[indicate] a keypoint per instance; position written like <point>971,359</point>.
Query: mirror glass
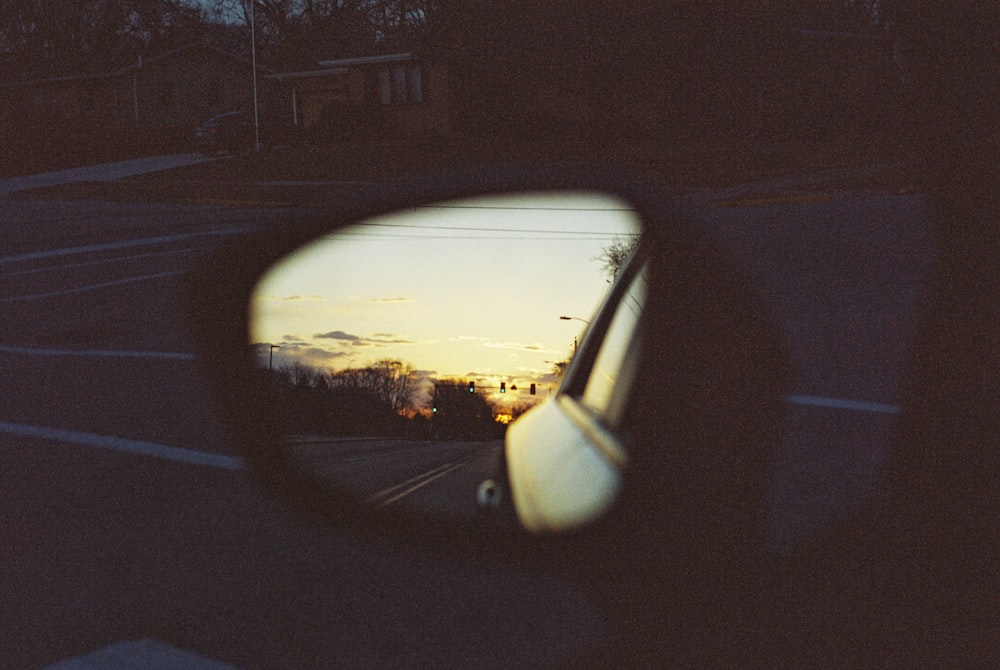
<point>398,350</point>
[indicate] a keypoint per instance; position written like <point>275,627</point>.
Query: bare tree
<point>298,33</point>
<point>391,381</point>
<point>305,376</point>
<point>614,255</point>
<point>40,38</point>
<point>395,383</point>
<point>559,367</point>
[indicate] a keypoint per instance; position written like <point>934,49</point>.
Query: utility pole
<point>574,318</point>
<point>135,89</point>
<point>253,58</point>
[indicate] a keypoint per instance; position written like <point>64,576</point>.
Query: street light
<point>574,318</point>
<point>270,355</point>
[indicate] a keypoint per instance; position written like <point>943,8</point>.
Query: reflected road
<point>428,475</point>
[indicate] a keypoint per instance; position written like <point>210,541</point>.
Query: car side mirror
<point>451,363</point>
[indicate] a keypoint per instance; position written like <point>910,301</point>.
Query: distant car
<point>230,131</point>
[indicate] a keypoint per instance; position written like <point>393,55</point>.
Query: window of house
<point>415,84</point>
<point>400,85</point>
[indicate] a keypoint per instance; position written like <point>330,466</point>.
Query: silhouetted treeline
<point>392,382</point>
<point>85,81</point>
<point>380,400</point>
<point>461,414</point>
<point>679,72</point>
<point>683,74</point>
<point>296,34</point>
<point>43,38</point>
<point>356,402</point>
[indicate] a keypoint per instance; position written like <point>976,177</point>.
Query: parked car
<point>230,131</point>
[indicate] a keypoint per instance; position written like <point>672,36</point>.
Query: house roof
<point>328,72</point>
<point>368,60</point>
<point>187,47</point>
<point>340,66</point>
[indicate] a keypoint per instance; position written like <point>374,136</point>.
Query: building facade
<point>395,95</point>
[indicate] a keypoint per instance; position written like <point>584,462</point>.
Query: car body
<point>566,459</point>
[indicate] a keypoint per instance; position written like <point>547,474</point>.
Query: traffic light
<point>503,387</point>
<point>472,387</point>
<point>532,389</point>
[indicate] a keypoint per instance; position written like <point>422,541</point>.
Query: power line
<point>407,238</point>
<point>498,233</point>
<point>532,209</point>
<point>499,230</point>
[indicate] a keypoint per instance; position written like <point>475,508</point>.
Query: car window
<point>610,378</point>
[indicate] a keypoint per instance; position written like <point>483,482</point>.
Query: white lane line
<point>111,246</point>
<point>386,497</point>
<point>419,485</point>
<point>96,353</point>
<point>840,403</point>
<point>91,287</point>
<point>189,456</point>
<point>395,487</point>
<point>104,261</point>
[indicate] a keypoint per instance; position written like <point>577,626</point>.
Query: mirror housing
<point>218,295</point>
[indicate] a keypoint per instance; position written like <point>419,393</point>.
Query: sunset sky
<point>468,290</point>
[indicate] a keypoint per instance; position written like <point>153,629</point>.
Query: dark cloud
<point>376,340</point>
<point>337,335</point>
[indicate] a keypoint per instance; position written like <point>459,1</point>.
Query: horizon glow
<point>469,290</point>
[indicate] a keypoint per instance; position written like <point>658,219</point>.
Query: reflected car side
<point>566,458</point>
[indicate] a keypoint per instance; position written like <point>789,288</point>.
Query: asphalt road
<point>423,476</point>
<point>842,276</point>
<point>116,526</point>
<point>112,533</point>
